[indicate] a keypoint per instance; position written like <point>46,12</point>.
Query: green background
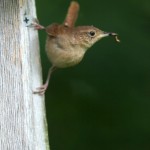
<point>104,102</point>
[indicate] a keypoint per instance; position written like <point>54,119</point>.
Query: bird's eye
<point>92,33</point>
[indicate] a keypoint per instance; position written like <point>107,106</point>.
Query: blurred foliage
<point>104,102</point>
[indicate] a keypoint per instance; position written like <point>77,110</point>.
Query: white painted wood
<point>22,114</point>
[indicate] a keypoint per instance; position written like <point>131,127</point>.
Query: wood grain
<point>22,114</point>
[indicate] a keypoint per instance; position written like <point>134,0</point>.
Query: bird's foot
<point>35,24</point>
<point>41,90</point>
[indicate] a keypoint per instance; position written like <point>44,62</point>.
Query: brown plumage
<point>66,44</point>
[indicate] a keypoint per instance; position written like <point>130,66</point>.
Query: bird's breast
<point>62,53</point>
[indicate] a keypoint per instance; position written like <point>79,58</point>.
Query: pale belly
<point>62,57</point>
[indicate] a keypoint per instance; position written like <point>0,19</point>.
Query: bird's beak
<point>109,34</point>
<point>105,34</point>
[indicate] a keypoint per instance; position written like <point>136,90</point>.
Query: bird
<point>66,44</point>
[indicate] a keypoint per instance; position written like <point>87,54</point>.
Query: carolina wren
<point>66,44</point>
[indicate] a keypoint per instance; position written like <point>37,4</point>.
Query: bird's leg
<point>35,24</point>
<point>41,90</point>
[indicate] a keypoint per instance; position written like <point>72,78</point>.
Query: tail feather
<point>72,14</point>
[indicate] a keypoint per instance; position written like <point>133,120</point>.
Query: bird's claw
<point>35,24</point>
<point>40,90</point>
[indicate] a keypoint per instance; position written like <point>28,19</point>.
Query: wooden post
<point>23,123</point>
